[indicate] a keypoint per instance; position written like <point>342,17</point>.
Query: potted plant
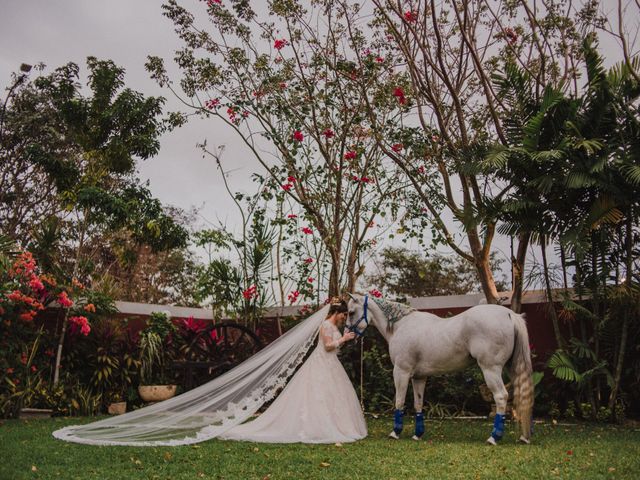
<point>156,382</point>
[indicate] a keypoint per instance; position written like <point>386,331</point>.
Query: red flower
<point>36,285</point>
<point>231,113</point>
<point>193,325</point>
<point>298,136</point>
<point>34,368</point>
<point>421,169</point>
<point>90,307</point>
<point>81,322</point>
<point>282,85</point>
<point>250,292</point>
<point>397,147</point>
<point>310,280</point>
<point>569,452</point>
<point>291,179</point>
<point>350,155</point>
<point>379,59</point>
<point>308,260</point>
<point>375,293</point>
<point>280,44</point>
<point>292,215</point>
<point>410,16</point>
<point>287,186</point>
<point>9,371</point>
<point>328,133</point>
<point>398,92</point>
<point>212,3</point>
<point>64,300</point>
<point>511,35</point>
<point>293,296</point>
<point>28,316</point>
<point>307,231</point>
<point>212,104</point>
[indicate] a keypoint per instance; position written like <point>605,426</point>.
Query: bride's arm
<point>326,335</point>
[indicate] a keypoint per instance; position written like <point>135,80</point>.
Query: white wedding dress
<point>318,405</point>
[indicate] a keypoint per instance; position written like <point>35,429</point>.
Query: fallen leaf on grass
<point>338,444</point>
<point>325,464</point>
<point>34,468</point>
<point>168,456</point>
<point>256,449</point>
<point>611,469</point>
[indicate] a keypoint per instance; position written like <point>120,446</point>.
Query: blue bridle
<point>354,328</point>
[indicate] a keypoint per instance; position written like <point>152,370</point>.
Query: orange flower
<point>90,307</point>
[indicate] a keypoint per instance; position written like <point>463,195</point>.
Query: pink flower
<point>379,59</point>
<point>212,104</point>
<point>366,180</point>
<point>34,368</point>
<point>298,136</point>
<point>282,85</point>
<point>211,3</point>
<point>85,329</point>
<point>350,155</point>
<point>231,113</point>
<point>328,133</point>
<point>308,260</point>
<point>375,293</point>
<point>287,186</point>
<point>280,44</point>
<point>421,169</point>
<point>310,280</point>
<point>397,147</point>
<point>64,300</point>
<point>81,322</point>
<point>511,35</point>
<point>435,138</point>
<point>307,231</point>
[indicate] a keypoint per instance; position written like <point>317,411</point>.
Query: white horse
<point>422,344</point>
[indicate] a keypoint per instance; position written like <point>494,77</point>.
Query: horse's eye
<point>351,312</point>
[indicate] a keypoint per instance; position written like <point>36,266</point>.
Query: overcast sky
<point>126,31</point>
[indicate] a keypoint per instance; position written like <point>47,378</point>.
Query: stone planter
<point>30,413</point>
<point>156,393</point>
<point>117,408</point>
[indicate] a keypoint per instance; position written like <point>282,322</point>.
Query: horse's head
<point>358,318</point>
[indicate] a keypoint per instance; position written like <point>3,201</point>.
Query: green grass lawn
<point>451,449</point>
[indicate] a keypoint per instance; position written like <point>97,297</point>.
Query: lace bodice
<point>330,336</point>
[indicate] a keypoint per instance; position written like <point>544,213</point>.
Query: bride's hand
<point>348,336</point>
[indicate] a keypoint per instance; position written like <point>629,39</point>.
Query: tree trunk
<point>547,281</point>
<point>518,263</point>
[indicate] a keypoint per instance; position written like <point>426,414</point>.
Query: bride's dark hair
<point>337,305</point>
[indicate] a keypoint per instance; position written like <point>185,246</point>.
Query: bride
<point>318,405</point>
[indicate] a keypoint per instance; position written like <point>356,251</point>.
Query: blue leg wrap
<point>498,427</point>
<point>419,424</point>
<point>397,421</point>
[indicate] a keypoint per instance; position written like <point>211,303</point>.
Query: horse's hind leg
<point>493,378</point>
<point>418,401</point>
<point>401,381</point>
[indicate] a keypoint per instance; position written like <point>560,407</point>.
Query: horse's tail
<point>521,375</point>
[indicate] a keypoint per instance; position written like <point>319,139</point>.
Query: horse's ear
<point>355,299</point>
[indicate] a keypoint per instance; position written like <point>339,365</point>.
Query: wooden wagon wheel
<point>216,350</point>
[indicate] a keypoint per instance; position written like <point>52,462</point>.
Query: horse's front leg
<point>418,401</point>
<point>401,381</point>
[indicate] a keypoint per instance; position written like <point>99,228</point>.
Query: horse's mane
<point>394,311</point>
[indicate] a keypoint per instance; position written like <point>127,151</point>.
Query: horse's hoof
<point>415,437</point>
<point>394,435</point>
<point>491,441</point>
<point>524,440</point>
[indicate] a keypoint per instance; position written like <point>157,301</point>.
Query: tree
<point>404,273</point>
<point>76,156</point>
<point>444,53</point>
<point>292,93</point>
